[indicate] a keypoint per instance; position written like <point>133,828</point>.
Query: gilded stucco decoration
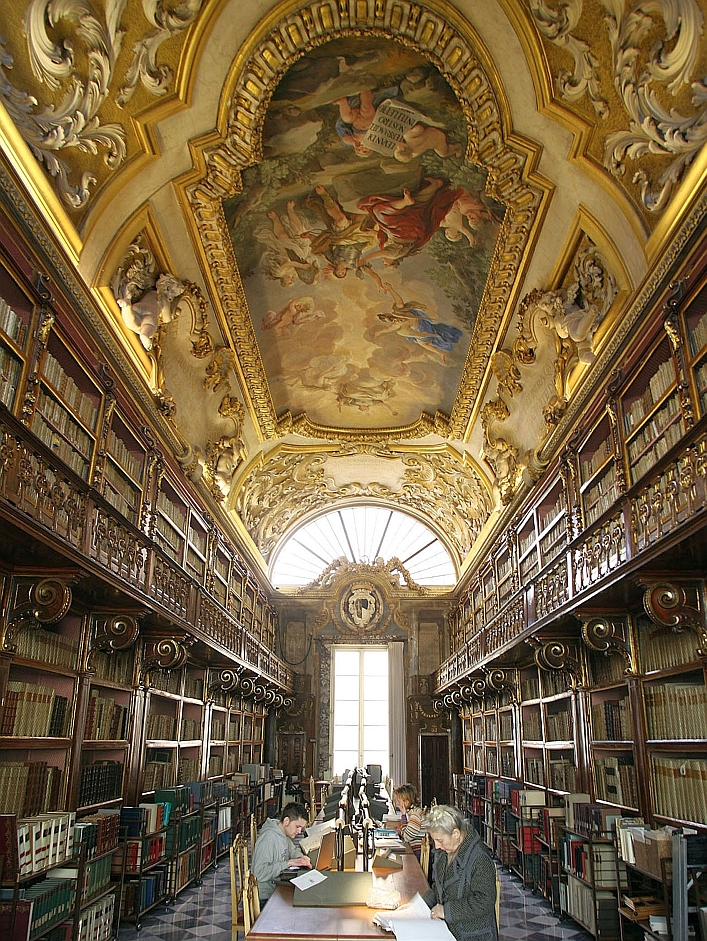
<point>568,318</point>
<point>446,488</point>
<point>74,49</point>
<point>392,573</point>
<point>658,103</point>
<point>298,241</point>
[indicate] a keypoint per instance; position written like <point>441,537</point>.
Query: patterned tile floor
<point>205,912</point>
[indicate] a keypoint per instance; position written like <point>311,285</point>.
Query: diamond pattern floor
<point>205,912</point>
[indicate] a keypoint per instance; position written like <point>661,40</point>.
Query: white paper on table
<point>422,929</point>
<point>416,908</point>
<point>308,879</point>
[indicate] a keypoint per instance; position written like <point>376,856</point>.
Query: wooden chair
<point>498,901</point>
<point>425,855</point>
<point>312,799</point>
<point>251,903</point>
<point>240,870</point>
<point>253,832</point>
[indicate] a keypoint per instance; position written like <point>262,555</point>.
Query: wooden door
<point>290,753</point>
<point>435,779</point>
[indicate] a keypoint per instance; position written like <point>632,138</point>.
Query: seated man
<point>274,849</point>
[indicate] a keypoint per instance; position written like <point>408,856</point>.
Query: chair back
<point>253,832</point>
<point>251,903</point>
<point>312,799</point>
<point>240,869</point>
<point>425,855</point>
<point>498,901</point>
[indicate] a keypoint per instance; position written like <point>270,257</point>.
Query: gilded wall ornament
<point>361,608</point>
<point>442,485</point>
<point>653,55</point>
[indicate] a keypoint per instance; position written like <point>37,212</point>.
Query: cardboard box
<point>651,851</point>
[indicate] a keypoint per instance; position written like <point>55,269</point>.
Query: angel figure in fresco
<point>465,216</point>
<point>410,320</point>
<point>288,253</point>
<point>299,310</point>
<point>356,113</point>
<point>423,137</point>
<point>405,224</point>
<point>345,237</point>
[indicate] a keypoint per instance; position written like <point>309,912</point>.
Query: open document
<point>413,922</point>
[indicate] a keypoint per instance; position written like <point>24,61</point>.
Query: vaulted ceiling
<point>360,250</point>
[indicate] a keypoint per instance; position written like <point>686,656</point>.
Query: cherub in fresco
<point>299,310</point>
<point>288,254</point>
<point>345,237</point>
<point>405,224</point>
<point>423,137</point>
<point>361,393</point>
<point>467,208</point>
<point>356,113</point>
<point>411,321</point>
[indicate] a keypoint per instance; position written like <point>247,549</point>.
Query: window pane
<point>375,662</point>
<point>344,760</point>
<point>346,688</point>
<point>375,713</point>
<point>347,662</point>
<point>344,735</point>
<point>375,687</point>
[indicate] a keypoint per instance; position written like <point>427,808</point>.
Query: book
<point>413,922</point>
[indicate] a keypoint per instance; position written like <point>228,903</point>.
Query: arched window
<point>362,533</point>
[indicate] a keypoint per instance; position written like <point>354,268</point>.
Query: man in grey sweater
<point>275,850</point>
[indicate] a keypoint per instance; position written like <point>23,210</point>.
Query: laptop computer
<point>326,851</point>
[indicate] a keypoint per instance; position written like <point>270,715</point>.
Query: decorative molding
<point>37,602</point>
<point>444,487</point>
<point>500,680</point>
<point>666,604</point>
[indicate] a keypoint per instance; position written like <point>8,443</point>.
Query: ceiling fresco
<point>363,239</point>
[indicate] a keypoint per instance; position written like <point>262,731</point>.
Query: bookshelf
<point>16,319</point>
<point>652,420</point>
<point>124,469</point>
<point>171,514</point>
<point>141,861</point>
<point>67,407</point>
<point>695,322</point>
<point>591,882</point>
<point>598,484</point>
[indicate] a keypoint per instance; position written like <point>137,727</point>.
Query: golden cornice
<point>437,424</point>
<point>37,187</point>
<point>454,48</point>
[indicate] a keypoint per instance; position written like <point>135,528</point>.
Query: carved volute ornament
<point>36,603</point>
<point>607,636</point>
<point>112,632</point>
<point>500,681</point>
<point>666,604</point>
<point>554,656</point>
<point>167,653</point>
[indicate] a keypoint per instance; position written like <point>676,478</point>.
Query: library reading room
<point>353,470</point>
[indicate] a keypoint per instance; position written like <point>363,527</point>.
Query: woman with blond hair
<point>407,802</point>
<point>464,889</point>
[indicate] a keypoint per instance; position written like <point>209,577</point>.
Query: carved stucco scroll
<point>81,67</point>
<point>653,54</point>
<point>285,488</point>
<point>555,656</point>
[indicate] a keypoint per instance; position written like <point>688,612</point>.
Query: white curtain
<point>396,709</point>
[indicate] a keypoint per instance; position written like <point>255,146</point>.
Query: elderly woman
<point>464,888</point>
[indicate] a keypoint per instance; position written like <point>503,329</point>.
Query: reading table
<point>280,920</point>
